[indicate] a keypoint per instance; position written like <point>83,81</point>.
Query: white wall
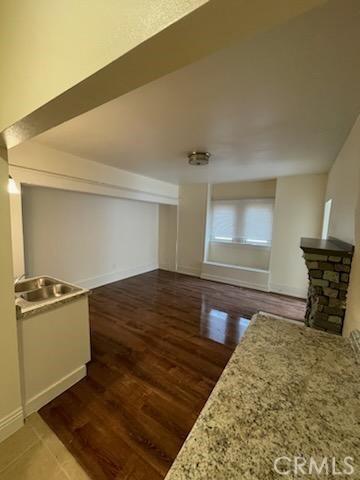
<point>343,187</point>
<point>17,236</point>
<point>298,213</point>
<point>344,190</point>
<point>193,199</point>
<point>10,400</point>
<point>35,164</point>
<point>88,239</point>
<point>299,207</point>
<point>233,275</point>
<point>249,189</point>
<point>168,237</point>
<point>242,255</point>
<point>352,318</point>
<point>192,219</point>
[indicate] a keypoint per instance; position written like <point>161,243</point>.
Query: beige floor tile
<point>36,453</point>
<point>61,475</point>
<point>35,464</point>
<point>57,449</point>
<point>16,445</point>
<point>38,424</point>
<point>48,437</point>
<point>74,470</point>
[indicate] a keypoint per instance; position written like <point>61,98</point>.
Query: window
<point>326,221</point>
<point>247,221</point>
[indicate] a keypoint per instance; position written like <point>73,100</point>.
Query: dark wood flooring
<point>159,344</point>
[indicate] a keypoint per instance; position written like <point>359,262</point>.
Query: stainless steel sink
<point>34,294</point>
<point>48,292</point>
<point>33,284</point>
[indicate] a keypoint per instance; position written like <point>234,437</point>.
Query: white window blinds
<point>243,221</point>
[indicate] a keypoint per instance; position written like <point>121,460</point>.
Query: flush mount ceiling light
<point>12,187</point>
<point>199,158</point>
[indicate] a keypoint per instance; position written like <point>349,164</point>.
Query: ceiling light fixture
<point>199,158</point>
<point>12,187</point>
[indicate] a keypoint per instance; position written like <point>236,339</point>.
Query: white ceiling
<point>280,104</point>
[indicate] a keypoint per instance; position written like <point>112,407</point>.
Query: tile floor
<point>35,453</point>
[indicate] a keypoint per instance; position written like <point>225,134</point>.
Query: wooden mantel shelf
<point>330,246</point>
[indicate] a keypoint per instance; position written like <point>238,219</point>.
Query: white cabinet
<point>54,349</point>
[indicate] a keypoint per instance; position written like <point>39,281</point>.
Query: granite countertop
<point>287,390</point>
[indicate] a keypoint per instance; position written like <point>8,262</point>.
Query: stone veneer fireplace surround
<point>329,264</point>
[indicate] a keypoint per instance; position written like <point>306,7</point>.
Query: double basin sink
<point>42,289</point>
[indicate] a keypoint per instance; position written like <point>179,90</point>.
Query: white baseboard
<point>233,281</point>
<point>285,290</point>
<point>11,423</point>
<point>101,280</point>
<point>194,272</point>
<point>238,268</point>
<point>34,404</point>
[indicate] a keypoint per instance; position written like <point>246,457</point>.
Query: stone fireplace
<point>329,265</point>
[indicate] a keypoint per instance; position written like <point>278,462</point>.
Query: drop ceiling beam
<point>211,27</point>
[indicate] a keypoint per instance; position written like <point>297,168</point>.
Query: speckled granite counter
<point>287,390</point>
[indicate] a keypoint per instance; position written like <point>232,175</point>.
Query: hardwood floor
<point>159,344</point>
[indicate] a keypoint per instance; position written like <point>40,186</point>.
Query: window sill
<point>235,267</point>
<point>220,242</point>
